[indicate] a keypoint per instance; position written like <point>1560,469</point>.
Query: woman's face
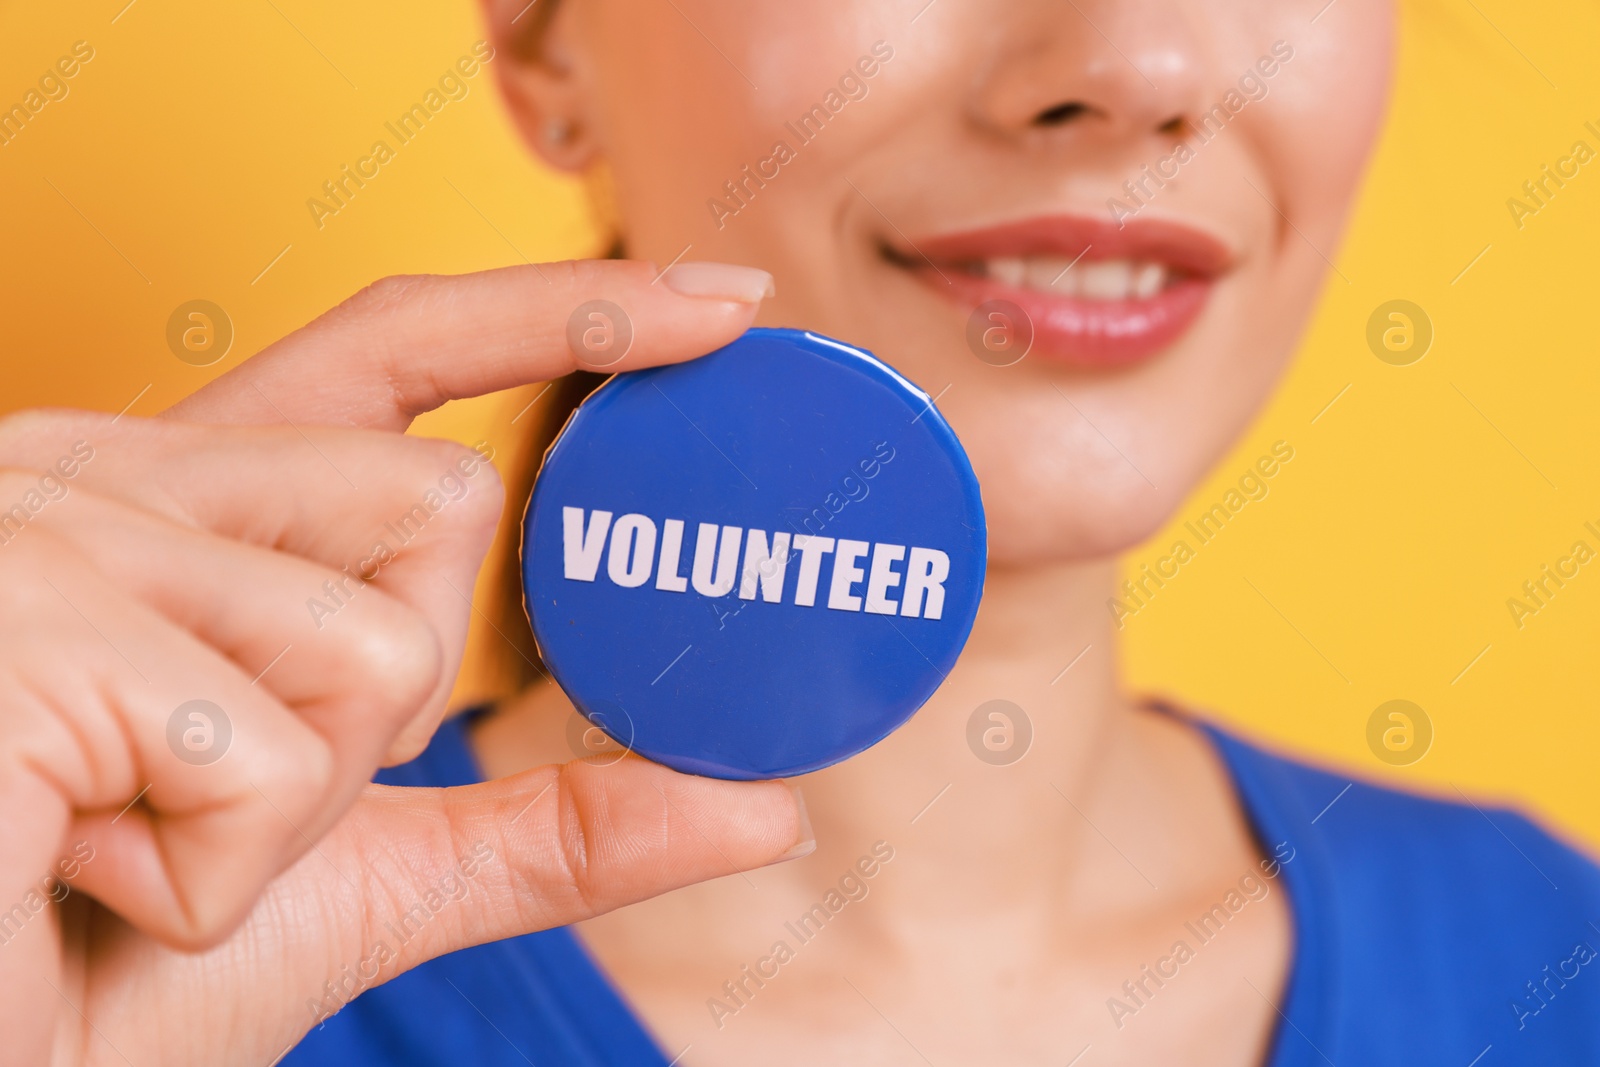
<point>1152,189</point>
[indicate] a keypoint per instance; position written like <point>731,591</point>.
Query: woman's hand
<point>219,862</point>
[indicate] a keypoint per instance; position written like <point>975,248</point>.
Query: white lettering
<point>760,566</point>
<point>866,576</point>
<point>846,574</point>
<point>811,551</point>
<point>925,573</point>
<point>583,550</point>
<point>633,547</point>
<point>667,576</point>
<point>884,578</point>
<point>725,558</point>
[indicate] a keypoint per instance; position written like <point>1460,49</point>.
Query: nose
<point>1123,69</point>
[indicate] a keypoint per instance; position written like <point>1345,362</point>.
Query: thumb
<point>446,869</point>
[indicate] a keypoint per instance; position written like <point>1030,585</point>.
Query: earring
<point>557,131</point>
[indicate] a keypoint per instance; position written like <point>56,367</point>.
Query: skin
<point>1022,900</point>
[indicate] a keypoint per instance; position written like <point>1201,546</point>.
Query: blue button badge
<point>757,563</point>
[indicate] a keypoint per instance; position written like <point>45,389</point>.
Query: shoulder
<point>1440,918</point>
<point>1390,832</point>
<point>1454,849</point>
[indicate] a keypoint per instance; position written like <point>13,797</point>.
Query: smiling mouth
<point>1094,294</point>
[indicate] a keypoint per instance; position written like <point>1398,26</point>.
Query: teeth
<point>1007,270</point>
<point>1110,279</point>
<point>1149,280</point>
<point>1043,272</point>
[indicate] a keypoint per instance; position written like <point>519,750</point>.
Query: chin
<point>1056,490</point>
<point>1040,518</point>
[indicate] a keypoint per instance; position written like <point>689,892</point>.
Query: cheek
<point>671,154</point>
<point>1322,119</point>
<point>1093,477</point>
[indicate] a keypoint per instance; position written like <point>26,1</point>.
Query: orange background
<point>179,165</point>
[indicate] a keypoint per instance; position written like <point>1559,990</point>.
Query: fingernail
<point>805,842</point>
<point>719,281</point>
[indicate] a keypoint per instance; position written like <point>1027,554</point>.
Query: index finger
<point>407,344</point>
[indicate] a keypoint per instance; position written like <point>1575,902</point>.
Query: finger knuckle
<point>571,273</point>
<point>575,877</point>
<point>487,500</point>
<point>29,554</point>
<point>204,919</point>
<point>386,293</point>
<point>305,766</point>
<point>447,477</point>
<point>397,655</point>
<point>28,434</point>
<point>22,429</point>
<point>15,483</point>
<point>590,275</point>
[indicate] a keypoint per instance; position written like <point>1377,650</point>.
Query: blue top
<point>1425,933</point>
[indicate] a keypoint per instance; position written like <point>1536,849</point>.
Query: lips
<point>1096,295</point>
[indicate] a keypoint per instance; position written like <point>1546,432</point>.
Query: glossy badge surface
<point>757,563</point>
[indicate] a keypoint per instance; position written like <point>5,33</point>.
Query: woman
<point>1135,887</point>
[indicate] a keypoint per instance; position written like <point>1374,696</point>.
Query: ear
<point>546,85</point>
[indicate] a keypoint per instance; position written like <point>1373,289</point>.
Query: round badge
<point>758,563</point>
